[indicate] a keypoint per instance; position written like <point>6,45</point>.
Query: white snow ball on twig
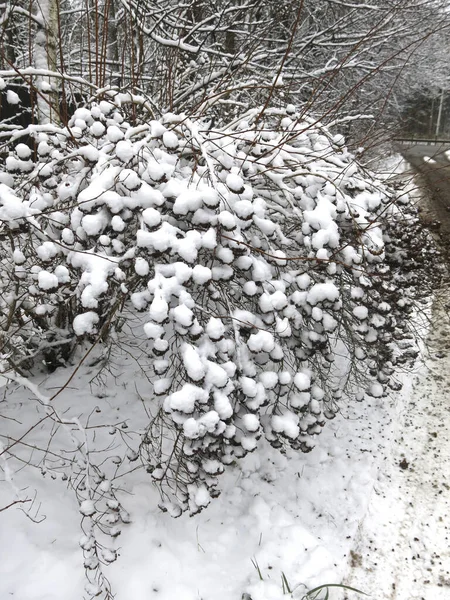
<point>317,314</point>
<point>317,392</point>
<point>67,236</point>
<point>114,134</point>
<point>302,381</point>
<point>87,508</point>
<point>222,405</point>
<point>190,428</point>
<point>18,257</point>
<point>213,467</point>
<point>244,209</point>
<point>12,164</point>
<point>249,386</point>
<point>286,424</point>
<point>109,555</point>
<point>12,97</point>
<point>202,497</point>
<point>208,422</point>
<point>215,329</point>
<point>151,217</point>
<point>79,125</point>
<point>23,151</point>
<point>104,240</point>
<point>192,362</point>
<point>183,273</point>
<point>161,386</point>
<point>304,281</point>
<point>210,197</point>
<point>94,224</point>
<point>283,327</point>
<point>159,308</point>
<point>97,129</point>
<point>201,274</point>
<point>225,255</point>
<point>284,377</point>
<point>184,399</point>
<point>157,129</point>
<point>187,201</point>
<point>216,375</point>
<point>106,107</point>
<point>265,302</point>
<point>235,183</point>
<point>11,206</point>
<point>170,140</point>
<point>251,422</point>
<point>269,379</point>
<point>360,312</point>
<point>183,315</point>
<point>90,153</point>
<point>227,220</point>
<point>299,400</point>
<point>47,281</point>
<point>155,171</point>
<point>278,300</point>
<point>141,266</point>
<point>328,322</point>
<point>96,111</point>
<point>261,342</point>
<point>129,179</point>
<point>47,251</point>
<point>153,331</point>
<point>209,239</point>
<point>85,323</point>
<point>62,273</point>
<point>117,223</point>
<point>249,443</point>
<point>323,291</point>
<point>250,288</point>
<point>43,148</point>
<point>125,151</point>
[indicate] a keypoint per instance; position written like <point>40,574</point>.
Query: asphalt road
<point>435,176</point>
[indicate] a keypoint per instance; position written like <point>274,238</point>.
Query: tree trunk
<point>45,57</point>
<point>113,46</point>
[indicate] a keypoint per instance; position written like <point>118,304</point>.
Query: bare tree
<point>334,57</point>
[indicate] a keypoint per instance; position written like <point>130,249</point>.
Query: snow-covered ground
<point>327,517</point>
<point>296,515</point>
<point>368,507</point>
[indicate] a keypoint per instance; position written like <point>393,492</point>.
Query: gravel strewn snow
<point>402,546</point>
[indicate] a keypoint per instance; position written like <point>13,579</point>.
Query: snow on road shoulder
<point>402,548</point>
<point>391,167</point>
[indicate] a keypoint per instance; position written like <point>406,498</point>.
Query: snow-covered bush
<point>254,252</point>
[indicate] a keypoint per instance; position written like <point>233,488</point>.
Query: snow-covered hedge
<point>255,254</point>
